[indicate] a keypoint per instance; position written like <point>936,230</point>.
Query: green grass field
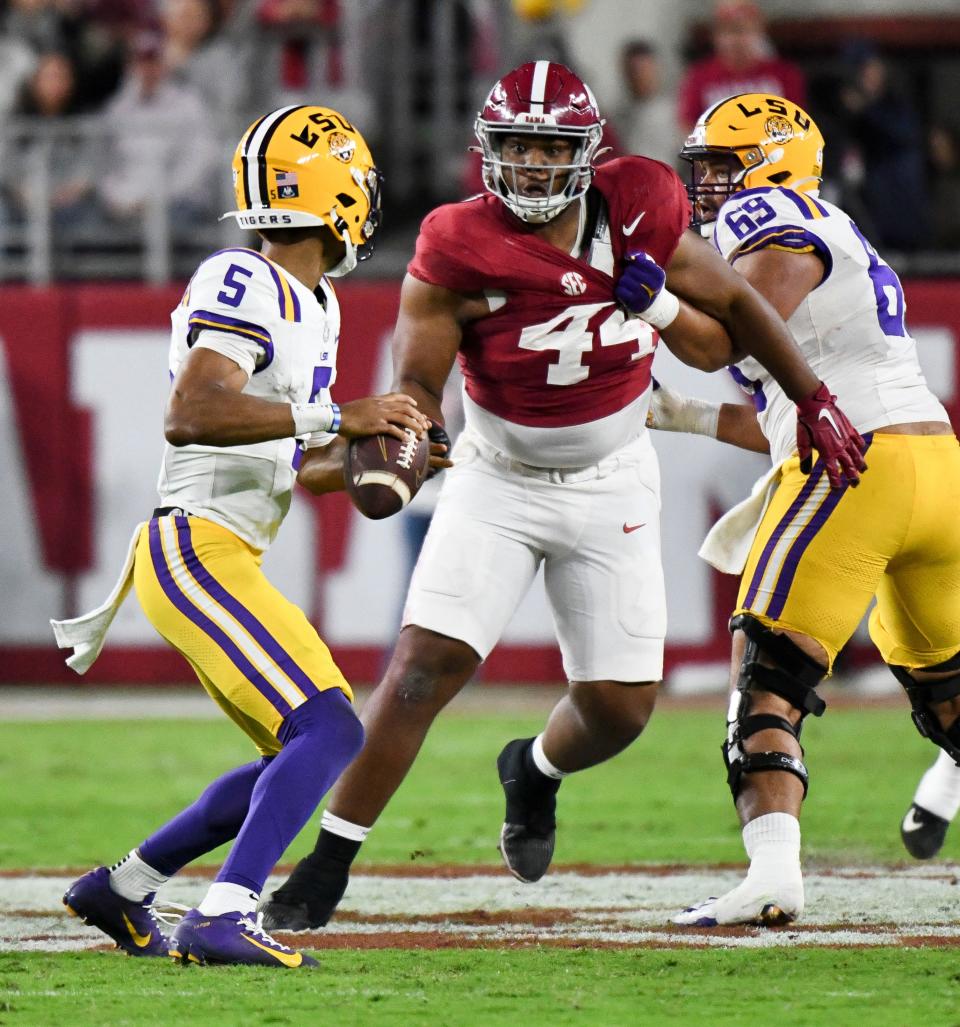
<point>79,794</point>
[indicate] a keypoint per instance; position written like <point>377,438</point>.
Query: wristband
<point>311,417</point>
<point>663,311</point>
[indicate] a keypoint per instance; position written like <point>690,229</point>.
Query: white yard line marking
<point>845,907</point>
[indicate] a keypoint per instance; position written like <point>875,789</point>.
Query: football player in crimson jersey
<point>551,289</point>
<point>813,558</point>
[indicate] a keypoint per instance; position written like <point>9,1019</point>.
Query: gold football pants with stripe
<point>255,652</point>
<point>820,555</point>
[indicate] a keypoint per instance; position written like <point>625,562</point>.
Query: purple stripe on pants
<point>815,475</point>
<point>781,587</point>
<point>203,622</point>
<point>232,605</point>
<point>784,582</point>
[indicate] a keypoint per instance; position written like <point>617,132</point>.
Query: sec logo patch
<point>573,284</point>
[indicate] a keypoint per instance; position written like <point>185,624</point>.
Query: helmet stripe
<point>262,155</point>
<point>538,88</point>
<point>243,161</point>
<point>254,156</point>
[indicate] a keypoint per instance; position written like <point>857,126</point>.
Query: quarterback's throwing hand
<point>642,290</point>
<point>823,426</point>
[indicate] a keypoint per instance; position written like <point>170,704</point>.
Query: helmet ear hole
<point>779,178</point>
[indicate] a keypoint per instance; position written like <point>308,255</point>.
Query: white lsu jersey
<point>850,327</point>
<point>244,306</point>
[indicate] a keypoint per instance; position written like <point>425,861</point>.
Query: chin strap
<point>350,258</point>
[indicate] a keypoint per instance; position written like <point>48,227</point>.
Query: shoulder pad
<point>755,218</point>
<point>246,283</point>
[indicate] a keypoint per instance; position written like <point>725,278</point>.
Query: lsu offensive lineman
<point>253,357</point>
<point>817,557</point>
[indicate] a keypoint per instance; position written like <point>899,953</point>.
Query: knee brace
<point>793,677</point>
<point>922,693</point>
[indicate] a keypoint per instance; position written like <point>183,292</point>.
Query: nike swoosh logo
<point>287,958</point>
<point>627,528</point>
<point>910,822</point>
<point>825,415</point>
<point>632,227</point>
<point>140,940</point>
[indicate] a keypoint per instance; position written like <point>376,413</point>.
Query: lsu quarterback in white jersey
<point>253,356</point>
<point>815,558</point>
<point>284,337</point>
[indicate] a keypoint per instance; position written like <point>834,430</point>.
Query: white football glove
<point>669,411</point>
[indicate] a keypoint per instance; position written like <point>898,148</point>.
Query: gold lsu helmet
<point>765,140</point>
<point>305,165</point>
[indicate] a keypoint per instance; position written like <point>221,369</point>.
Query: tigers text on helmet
<point>748,141</point>
<point>545,99</point>
<point>305,165</point>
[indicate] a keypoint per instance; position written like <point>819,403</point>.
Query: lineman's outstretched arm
<point>702,278</point>
<point>699,275</point>
<point>733,423</point>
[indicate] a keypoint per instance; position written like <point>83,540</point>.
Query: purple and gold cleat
<point>231,939</point>
<point>132,925</point>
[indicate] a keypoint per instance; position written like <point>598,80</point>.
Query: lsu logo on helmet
<point>302,166</point>
<point>749,141</point>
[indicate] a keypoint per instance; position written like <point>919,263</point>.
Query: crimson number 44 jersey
<point>556,352</point>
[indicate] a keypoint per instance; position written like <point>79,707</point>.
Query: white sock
<point>939,788</point>
<point>773,845</point>
<point>343,828</point>
<point>542,763</point>
<point>224,897</point>
<point>133,879</point>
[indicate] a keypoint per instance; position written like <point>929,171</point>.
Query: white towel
<point>728,542</point>
<point>86,634</point>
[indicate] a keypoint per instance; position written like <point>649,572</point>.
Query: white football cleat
<point>764,905</point>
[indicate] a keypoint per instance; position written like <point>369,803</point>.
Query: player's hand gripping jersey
<point>850,328</point>
<point>557,374</point>
<point>285,337</point>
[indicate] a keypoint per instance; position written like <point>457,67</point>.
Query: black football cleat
<point>923,832</point>
<point>309,896</point>
<point>529,830</point>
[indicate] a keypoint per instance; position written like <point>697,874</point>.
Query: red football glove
<point>823,426</point>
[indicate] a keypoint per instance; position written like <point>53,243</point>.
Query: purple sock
<point>319,739</point>
<point>213,819</point>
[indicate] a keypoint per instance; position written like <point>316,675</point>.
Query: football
<point>383,473</point>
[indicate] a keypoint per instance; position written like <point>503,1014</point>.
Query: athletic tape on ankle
<point>343,828</point>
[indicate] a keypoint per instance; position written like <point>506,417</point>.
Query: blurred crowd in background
<point>117,117</point>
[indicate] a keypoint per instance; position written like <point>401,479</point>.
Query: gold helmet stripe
<point>254,157</point>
